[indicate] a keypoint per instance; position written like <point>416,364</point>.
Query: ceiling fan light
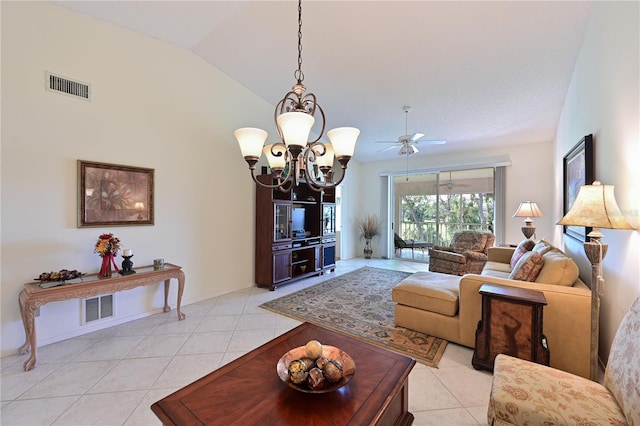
<point>343,140</point>
<point>407,149</point>
<point>295,127</point>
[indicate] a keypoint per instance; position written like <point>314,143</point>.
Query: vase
<point>368,251</point>
<point>108,259</point>
<point>105,269</point>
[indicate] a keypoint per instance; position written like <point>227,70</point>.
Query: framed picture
<point>114,195</point>
<point>578,170</point>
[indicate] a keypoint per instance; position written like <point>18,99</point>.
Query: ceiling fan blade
<point>387,148</point>
<point>414,137</point>
<point>429,142</point>
<point>394,142</point>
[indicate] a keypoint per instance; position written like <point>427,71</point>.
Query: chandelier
<point>294,158</point>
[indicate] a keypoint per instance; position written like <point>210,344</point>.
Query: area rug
<point>359,304</point>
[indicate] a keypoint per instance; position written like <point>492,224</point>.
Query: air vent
<point>56,83</point>
<point>98,308</point>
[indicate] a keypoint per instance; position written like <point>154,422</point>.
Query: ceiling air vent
<point>56,83</point>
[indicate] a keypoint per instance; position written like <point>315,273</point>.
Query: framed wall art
<point>114,195</point>
<point>578,170</point>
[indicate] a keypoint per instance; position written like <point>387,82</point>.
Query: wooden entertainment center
<point>295,233</point>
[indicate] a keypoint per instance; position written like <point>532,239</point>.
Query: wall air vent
<point>98,308</point>
<point>56,83</point>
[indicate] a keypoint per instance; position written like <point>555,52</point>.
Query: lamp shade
<point>343,140</point>
<point>596,207</point>
<point>325,160</point>
<point>276,162</point>
<point>295,127</point>
<point>528,209</point>
<point>251,141</point>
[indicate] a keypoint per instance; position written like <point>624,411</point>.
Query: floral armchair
<point>525,393</point>
<point>466,255</point>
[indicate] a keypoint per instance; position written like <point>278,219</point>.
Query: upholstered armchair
<point>466,255</point>
<point>525,393</point>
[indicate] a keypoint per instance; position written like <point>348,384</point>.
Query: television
<point>297,222</point>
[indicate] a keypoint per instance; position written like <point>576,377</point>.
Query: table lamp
<point>595,207</point>
<point>528,209</point>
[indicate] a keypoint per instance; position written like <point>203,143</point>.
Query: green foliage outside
<point>456,212</point>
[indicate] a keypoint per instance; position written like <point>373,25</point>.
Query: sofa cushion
<point>528,267</point>
<point>524,246</point>
<point>490,266</point>
<point>558,269</point>
<point>622,375</point>
<point>542,246</point>
<point>496,273</point>
<point>429,291</point>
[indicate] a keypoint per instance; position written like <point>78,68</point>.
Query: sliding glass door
<point>430,208</point>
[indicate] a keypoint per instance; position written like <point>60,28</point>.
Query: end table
<point>511,324</point>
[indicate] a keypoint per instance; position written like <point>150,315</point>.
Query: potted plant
<point>370,227</point>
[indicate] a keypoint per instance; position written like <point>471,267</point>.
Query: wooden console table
<point>36,294</point>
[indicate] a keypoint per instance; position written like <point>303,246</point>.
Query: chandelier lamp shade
<point>596,207</point>
<point>295,158</point>
<point>528,209</point>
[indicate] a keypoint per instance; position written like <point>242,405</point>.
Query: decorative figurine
<point>127,266</point>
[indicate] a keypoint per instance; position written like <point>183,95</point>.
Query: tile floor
<point>111,377</point>
<point>418,255</point>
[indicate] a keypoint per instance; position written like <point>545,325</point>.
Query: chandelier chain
<point>299,75</point>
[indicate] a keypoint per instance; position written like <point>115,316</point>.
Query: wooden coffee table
<point>248,391</point>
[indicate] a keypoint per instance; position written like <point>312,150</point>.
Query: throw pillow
<point>542,246</point>
<point>523,247</point>
<point>528,267</point>
<point>558,269</point>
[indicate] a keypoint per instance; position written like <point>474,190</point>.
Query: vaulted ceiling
<point>477,74</point>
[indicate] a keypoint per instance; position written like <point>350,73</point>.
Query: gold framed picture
<point>114,195</point>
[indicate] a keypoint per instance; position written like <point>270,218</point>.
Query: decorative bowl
<point>330,352</point>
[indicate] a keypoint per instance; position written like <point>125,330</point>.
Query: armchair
<point>466,255</point>
<point>525,393</point>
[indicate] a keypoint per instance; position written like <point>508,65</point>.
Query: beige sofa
<point>450,307</point>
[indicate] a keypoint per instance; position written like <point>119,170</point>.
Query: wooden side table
<point>511,324</point>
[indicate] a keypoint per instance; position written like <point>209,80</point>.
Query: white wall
<point>528,178</point>
<point>603,100</point>
<point>153,106</point>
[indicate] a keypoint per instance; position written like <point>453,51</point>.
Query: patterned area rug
<point>359,304</point>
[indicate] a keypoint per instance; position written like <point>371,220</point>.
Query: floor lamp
<point>595,207</point>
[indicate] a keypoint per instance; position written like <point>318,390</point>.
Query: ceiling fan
<point>407,142</point>
<point>450,184</point>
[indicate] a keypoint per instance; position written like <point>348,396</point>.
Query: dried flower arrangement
<point>370,226</point>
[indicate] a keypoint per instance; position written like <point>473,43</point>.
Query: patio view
<point>431,208</point>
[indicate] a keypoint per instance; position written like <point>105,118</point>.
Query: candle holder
<point>127,266</point>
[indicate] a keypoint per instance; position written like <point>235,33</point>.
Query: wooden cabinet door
<point>281,266</point>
